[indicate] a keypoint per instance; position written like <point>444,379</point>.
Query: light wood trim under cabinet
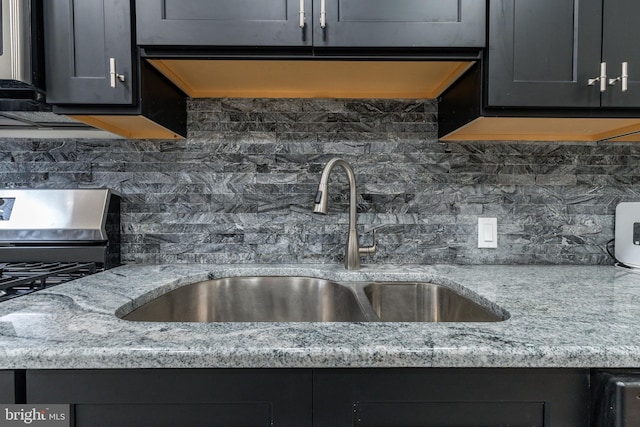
<point>200,78</point>
<point>132,127</point>
<point>547,129</point>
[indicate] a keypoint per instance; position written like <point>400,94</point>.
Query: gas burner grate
<point>20,278</point>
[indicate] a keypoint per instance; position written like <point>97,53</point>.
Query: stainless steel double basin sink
<point>306,299</point>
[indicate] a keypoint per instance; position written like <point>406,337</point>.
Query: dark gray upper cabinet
<point>621,44</point>
<point>399,23</point>
<point>83,38</point>
<point>222,22</point>
<point>295,23</point>
<point>542,53</point>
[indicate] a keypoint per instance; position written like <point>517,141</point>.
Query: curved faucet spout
<point>353,250</point>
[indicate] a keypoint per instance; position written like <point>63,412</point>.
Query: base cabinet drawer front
<point>451,397</point>
<point>319,23</point>
<point>177,398</point>
<point>170,415</point>
<point>448,414</point>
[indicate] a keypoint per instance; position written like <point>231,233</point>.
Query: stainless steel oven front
<point>48,237</point>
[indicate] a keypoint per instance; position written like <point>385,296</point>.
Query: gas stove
<point>49,237</point>
<point>21,278</point>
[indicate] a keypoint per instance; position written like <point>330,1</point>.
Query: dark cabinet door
<point>223,22</point>
<point>543,52</point>
<point>83,38</point>
<point>621,35</point>
<point>399,23</point>
<point>450,397</point>
<point>178,398</point>
<point>10,386</point>
<point>345,23</point>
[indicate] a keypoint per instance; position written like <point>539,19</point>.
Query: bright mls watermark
<point>35,415</point>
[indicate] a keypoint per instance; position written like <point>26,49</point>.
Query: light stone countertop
<point>560,316</point>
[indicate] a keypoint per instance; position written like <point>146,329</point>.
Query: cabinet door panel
<point>449,414</point>
<point>8,387</point>
<point>401,23</point>
<point>173,415</point>
<point>620,44</point>
<point>542,52</point>
<point>222,23</point>
<point>472,397</point>
<point>80,38</point>
<point>176,398</point>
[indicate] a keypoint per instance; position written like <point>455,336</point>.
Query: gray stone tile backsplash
<point>239,189</point>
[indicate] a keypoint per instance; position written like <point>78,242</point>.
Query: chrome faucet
<point>353,250</point>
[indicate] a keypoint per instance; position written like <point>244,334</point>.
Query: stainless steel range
<point>48,237</point>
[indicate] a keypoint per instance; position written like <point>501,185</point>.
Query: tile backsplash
<point>240,188</point>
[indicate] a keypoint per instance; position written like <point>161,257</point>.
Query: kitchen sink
<point>254,299</point>
<point>307,299</point>
<point>424,302</point>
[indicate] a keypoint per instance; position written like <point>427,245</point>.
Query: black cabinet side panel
<point>461,102</point>
<point>161,101</point>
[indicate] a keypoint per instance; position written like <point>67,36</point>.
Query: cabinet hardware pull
<point>623,78</point>
<point>323,13</point>
<point>113,74</point>
<point>303,19</point>
<point>602,79</point>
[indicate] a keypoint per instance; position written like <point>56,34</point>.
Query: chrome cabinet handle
<point>323,13</point>
<point>602,78</point>
<point>113,74</point>
<point>623,78</point>
<point>303,18</point>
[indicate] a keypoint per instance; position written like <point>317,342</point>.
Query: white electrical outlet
<point>487,232</point>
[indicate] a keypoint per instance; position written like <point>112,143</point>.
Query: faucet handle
<point>369,250</point>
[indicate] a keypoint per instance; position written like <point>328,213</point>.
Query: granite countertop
<point>560,316</point>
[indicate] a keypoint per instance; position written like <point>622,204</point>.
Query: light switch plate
<point>487,233</point>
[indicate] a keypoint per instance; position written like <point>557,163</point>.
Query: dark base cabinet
<point>451,397</point>
<point>318,397</point>
<point>177,398</point>
<point>11,387</point>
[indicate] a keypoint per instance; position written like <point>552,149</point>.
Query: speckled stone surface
<point>560,316</point>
